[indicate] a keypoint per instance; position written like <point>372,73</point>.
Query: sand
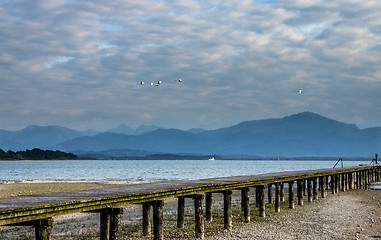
<point>354,214</point>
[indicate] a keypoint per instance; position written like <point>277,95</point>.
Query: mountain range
<point>299,135</point>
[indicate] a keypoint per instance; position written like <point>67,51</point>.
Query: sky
<point>78,63</point>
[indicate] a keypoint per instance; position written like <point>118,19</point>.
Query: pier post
<point>300,183</point>
<point>304,187</point>
<point>282,192</point>
<point>337,181</point>
<point>343,182</point>
<point>198,216</point>
<point>105,217</point>
<point>228,210</point>
<point>322,186</point>
<point>147,219</point>
<point>43,229</point>
<point>209,207</point>
<point>309,189</point>
<point>269,193</point>
<point>277,197</point>
<point>261,200</point>
<point>291,195</point>
<point>180,212</point>
<point>158,220</point>
<point>246,204</point>
<point>115,220</point>
<point>332,185</point>
<point>315,188</point>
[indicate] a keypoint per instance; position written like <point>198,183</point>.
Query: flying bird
<point>300,91</point>
<point>158,83</point>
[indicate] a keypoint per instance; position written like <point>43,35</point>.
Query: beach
<point>354,214</point>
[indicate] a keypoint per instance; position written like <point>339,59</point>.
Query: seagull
<point>300,91</point>
<point>179,80</point>
<point>141,83</point>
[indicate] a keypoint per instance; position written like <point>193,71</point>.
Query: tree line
<point>36,154</point>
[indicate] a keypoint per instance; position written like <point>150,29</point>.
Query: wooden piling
<point>180,211</point>
<point>291,195</point>
<point>309,189</point>
<point>198,216</point>
<point>314,189</point>
<point>228,209</point>
<point>43,229</point>
<point>282,192</point>
<point>261,200</point>
<point>322,186</point>
<point>300,183</point>
<point>115,221</point>
<point>269,193</point>
<point>146,222</point>
<point>209,207</point>
<point>158,220</point>
<point>277,197</point>
<point>105,217</point>
<point>245,203</point>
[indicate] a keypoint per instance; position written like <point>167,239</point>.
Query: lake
<point>151,170</point>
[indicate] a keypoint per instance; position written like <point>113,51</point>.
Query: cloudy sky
<point>77,63</point>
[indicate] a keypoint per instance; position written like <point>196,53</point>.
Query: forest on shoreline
<point>36,154</point>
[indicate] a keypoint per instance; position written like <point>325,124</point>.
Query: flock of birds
<point>158,83</point>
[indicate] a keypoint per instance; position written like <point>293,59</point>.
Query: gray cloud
<point>77,63</point>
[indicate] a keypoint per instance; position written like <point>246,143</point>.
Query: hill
<point>299,135</point>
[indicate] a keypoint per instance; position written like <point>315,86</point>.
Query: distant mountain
<point>304,134</point>
<point>298,135</point>
<point>124,129</point>
<point>36,137</point>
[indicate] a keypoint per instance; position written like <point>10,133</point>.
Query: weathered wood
<point>315,188</point>
<point>332,184</point>
<point>180,211</point>
<point>228,210</point>
<point>304,186</point>
<point>277,197</point>
<point>146,219</point>
<point>115,221</point>
<point>105,217</point>
<point>269,193</point>
<point>322,186</point>
<point>342,177</point>
<point>158,220</point>
<point>209,207</point>
<point>300,183</point>
<point>43,229</point>
<point>246,203</point>
<point>282,192</point>
<point>309,189</point>
<point>261,200</point>
<point>291,195</point>
<point>337,182</point>
<point>198,216</point>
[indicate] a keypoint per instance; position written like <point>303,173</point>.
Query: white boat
<point>211,159</point>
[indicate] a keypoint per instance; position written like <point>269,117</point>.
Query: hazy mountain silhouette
<point>298,135</point>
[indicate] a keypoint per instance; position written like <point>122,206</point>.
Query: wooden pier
<point>39,210</point>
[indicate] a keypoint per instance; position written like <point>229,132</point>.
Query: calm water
<point>150,170</point>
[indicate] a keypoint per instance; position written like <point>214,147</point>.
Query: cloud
<point>240,60</point>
